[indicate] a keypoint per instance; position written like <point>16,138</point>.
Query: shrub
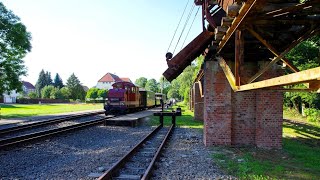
<point>313,115</point>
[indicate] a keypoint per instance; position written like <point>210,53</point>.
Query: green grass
<point>299,158</point>
<point>186,120</point>
<point>19,110</point>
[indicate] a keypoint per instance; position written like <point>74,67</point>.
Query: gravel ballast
<point>93,150</point>
<point>186,157</point>
<point>70,156</point>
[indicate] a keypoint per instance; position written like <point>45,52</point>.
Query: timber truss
<point>239,32</point>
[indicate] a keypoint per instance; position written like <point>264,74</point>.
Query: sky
<point>93,37</point>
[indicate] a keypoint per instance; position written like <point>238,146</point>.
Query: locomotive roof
<point>123,83</point>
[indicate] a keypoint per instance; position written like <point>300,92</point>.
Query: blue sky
<point>93,37</point>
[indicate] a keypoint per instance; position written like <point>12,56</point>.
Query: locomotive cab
<point>122,98</point>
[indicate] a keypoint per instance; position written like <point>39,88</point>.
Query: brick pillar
<point>244,110</point>
<point>269,114</point>
<point>198,102</point>
<point>217,106</point>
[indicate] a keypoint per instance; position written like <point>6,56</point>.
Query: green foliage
<point>304,56</point>
<point>58,81</point>
<point>75,88</point>
<point>102,93</point>
<point>47,91</point>
<point>164,85</point>
<point>92,93</point>
<point>174,90</point>
<point>152,85</point>
<point>32,95</point>
<point>141,82</point>
<point>65,93</point>
<point>14,45</point>
<point>313,115</point>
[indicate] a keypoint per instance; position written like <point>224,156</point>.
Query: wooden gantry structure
<point>248,40</point>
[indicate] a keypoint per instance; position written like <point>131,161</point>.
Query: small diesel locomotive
<point>125,97</point>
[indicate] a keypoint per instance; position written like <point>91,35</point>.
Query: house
<point>13,95</point>
<point>108,79</point>
<point>27,88</point>
<point>10,97</point>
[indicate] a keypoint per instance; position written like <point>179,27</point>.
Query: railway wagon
<point>125,97</point>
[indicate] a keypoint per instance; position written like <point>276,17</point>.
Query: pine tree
<point>58,81</point>
<point>41,82</point>
<point>75,87</point>
<point>48,78</point>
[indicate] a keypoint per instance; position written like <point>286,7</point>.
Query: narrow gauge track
<point>139,161</point>
<point>46,133</point>
<point>46,122</point>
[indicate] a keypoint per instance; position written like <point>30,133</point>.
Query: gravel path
<point>186,157</point>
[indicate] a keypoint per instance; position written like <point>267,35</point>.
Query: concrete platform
<point>131,119</point>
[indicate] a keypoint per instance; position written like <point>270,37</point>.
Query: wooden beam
<point>290,79</point>
<point>236,22</point>
<point>239,55</point>
<point>308,34</point>
<point>227,71</point>
<point>275,52</point>
<point>291,9</point>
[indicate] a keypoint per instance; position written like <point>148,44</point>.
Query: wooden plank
<point>239,55</point>
<point>236,22</point>
<point>227,71</point>
<point>290,79</point>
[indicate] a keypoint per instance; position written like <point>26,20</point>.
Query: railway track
<point>14,140</point>
<point>46,122</point>
<point>139,161</point>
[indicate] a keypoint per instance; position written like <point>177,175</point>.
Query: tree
<point>141,82</point>
<point>92,93</point>
<point>152,85</point>
<point>164,85</point>
<point>102,93</point>
<point>32,95</point>
<point>48,78</point>
<point>75,88</point>
<point>65,93</point>
<point>57,81</point>
<point>47,92</point>
<point>41,82</point>
<point>14,45</point>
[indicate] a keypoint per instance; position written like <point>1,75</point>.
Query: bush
<point>313,115</point>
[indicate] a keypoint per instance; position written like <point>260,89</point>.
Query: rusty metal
<point>187,55</point>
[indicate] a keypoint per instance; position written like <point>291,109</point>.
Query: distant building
<point>85,88</point>
<point>10,97</point>
<point>27,88</point>
<point>13,95</point>
<point>108,79</point>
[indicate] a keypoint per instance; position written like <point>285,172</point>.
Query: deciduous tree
<point>14,45</point>
<point>152,85</point>
<point>141,82</point>
<point>75,88</point>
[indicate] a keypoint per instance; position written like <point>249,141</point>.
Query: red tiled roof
<point>110,78</point>
<point>28,85</point>
<point>126,79</point>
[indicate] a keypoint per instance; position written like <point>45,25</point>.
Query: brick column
<point>198,102</point>
<point>244,110</point>
<point>269,114</point>
<point>217,106</point>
